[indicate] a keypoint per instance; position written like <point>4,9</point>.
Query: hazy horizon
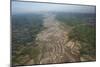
<point>31,7</point>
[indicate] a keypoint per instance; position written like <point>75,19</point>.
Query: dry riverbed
<point>54,45</point>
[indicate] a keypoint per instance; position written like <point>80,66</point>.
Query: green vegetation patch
<point>83,30</point>
<point>25,28</point>
<point>86,36</point>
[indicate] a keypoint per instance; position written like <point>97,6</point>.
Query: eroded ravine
<point>54,44</point>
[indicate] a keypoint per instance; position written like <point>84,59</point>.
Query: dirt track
<point>54,44</point>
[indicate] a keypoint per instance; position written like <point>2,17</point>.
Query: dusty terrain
<point>54,45</point>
